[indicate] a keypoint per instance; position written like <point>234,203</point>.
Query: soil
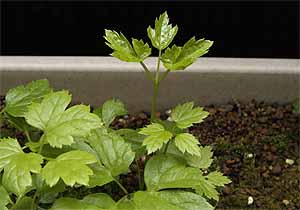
<point>255,144</point>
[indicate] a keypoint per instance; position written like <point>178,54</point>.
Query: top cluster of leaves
<point>173,58</point>
<point>71,146</point>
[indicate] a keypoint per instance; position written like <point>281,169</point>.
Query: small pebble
<point>250,200</point>
<point>169,119</point>
<point>285,202</point>
<point>289,161</point>
<point>168,112</point>
<point>250,155</point>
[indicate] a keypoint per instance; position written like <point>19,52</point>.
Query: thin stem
<point>154,97</point>
<point>121,186</point>
<point>157,68</point>
<point>33,200</point>
<point>148,73</point>
<point>3,110</point>
<point>141,184</point>
<point>27,135</point>
<point>166,148</point>
<point>164,75</point>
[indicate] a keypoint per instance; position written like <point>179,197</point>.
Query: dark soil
<point>251,142</point>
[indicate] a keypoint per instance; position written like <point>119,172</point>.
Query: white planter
<point>93,80</point>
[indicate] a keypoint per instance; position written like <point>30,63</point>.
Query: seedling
<point>78,148</point>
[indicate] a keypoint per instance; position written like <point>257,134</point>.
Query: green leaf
<point>47,194</point>
<point>179,58</point>
<point>125,204</point>
<point>18,122</point>
<point>17,166</point>
<point>204,187</point>
<point>186,142</point>
<point>156,137</point>
<point>23,204</point>
<point>112,151</point>
<point>18,99</point>
<point>216,178</point>
<point>101,200</point>
<point>134,139</point>
<point>123,50</point>
<point>72,203</point>
<point>71,167</point>
<point>202,161</point>
<point>185,115</point>
<point>171,200</point>
<point>112,109</point>
<point>100,177</point>
<point>60,125</point>
<point>4,198</point>
<point>166,171</point>
<point>163,33</point>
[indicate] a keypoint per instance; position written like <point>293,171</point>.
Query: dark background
<point>239,29</point>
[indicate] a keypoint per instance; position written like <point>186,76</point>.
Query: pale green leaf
<point>216,178</point>
<point>72,203</point>
<point>71,167</point>
<point>185,115</point>
<point>206,188</point>
<point>17,165</point>
<point>156,137</point>
<point>202,161</point>
<point>179,58</point>
<point>166,171</point>
<point>112,109</point>
<point>112,151</point>
<point>18,99</point>
<point>100,177</point>
<point>125,204</point>
<point>171,200</point>
<point>123,50</point>
<point>186,142</point>
<point>101,200</point>
<point>163,33</point>
<point>60,125</point>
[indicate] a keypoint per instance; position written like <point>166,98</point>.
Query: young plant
<point>68,146</point>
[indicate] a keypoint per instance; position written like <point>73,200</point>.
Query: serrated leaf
<point>101,200</point>
<point>185,115</point>
<point>17,166</point>
<point>156,137</point>
<point>186,142</point>
<point>72,203</point>
<point>71,167</point>
<point>179,58</point>
<point>202,161</point>
<point>163,33</point>
<point>216,178</point>
<point>18,99</point>
<point>166,171</point>
<point>206,188</point>
<point>171,200</point>
<point>112,109</point>
<point>60,125</point>
<point>123,50</point>
<point>112,151</point>
<point>134,139</point>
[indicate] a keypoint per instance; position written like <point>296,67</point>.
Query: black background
<point>239,29</point>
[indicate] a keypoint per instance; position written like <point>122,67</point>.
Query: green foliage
<point>60,125</point>
<point>73,147</point>
<point>185,115</point>
<point>178,58</point>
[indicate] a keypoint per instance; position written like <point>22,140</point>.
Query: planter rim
<point>105,63</point>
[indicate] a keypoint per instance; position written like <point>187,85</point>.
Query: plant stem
<point>33,200</point>
<point>148,73</point>
<point>164,75</point>
<point>157,68</point>
<point>153,106</point>
<point>141,184</point>
<point>166,148</point>
<point>121,186</point>
<point>27,136</point>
